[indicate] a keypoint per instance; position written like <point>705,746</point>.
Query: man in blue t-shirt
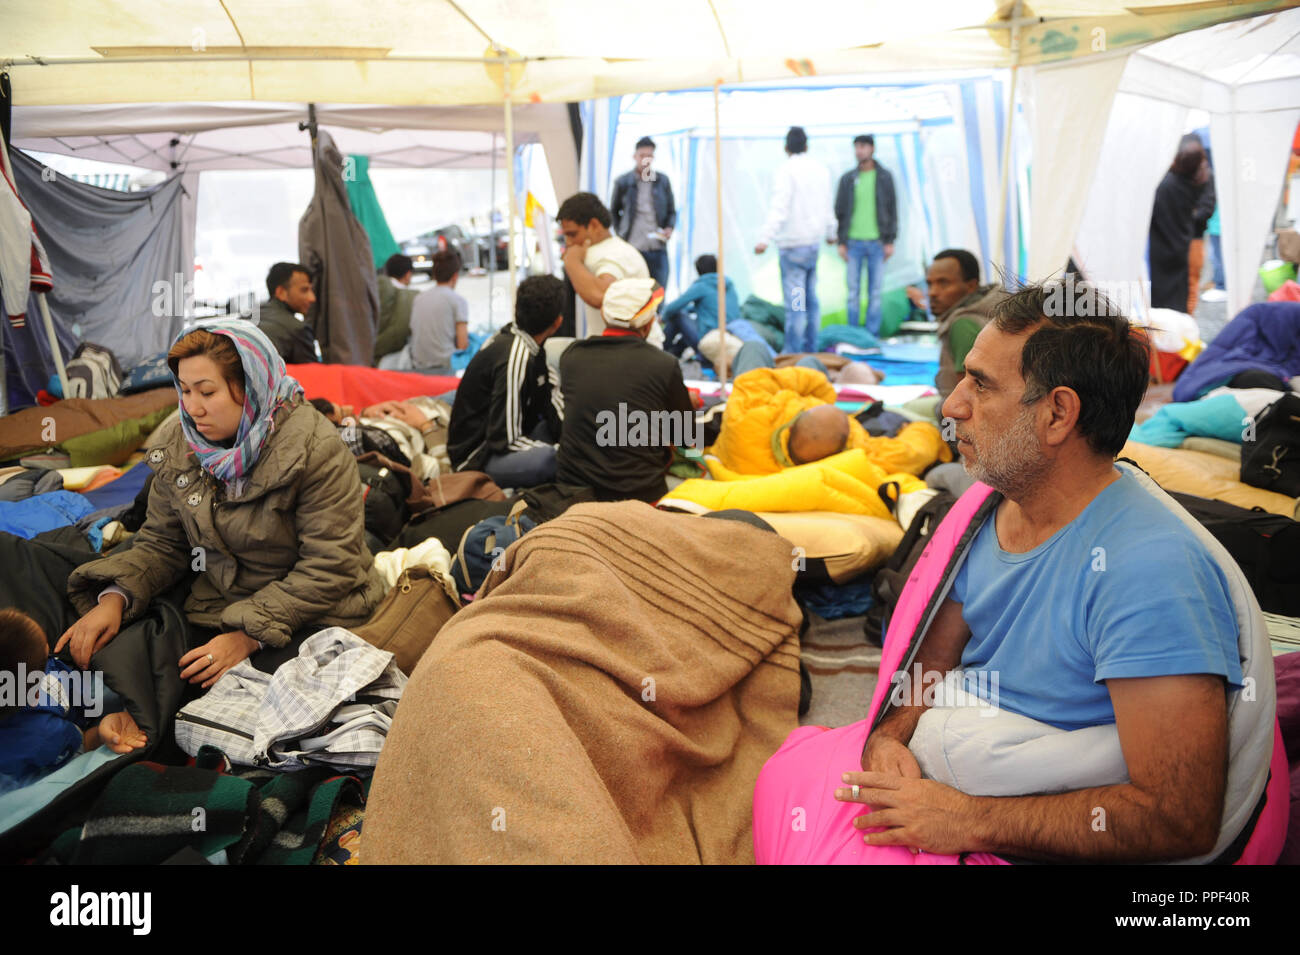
<point>1087,599</point>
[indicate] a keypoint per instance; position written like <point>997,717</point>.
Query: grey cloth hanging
<point>110,251</point>
<point>334,245</point>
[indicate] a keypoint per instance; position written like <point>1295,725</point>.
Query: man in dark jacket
<point>643,210</point>
<point>508,411</point>
<point>626,404</point>
<point>289,287</point>
<point>867,212</point>
<point>1173,224</point>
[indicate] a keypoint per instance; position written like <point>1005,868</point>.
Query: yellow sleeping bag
<point>846,483</point>
<point>763,400</point>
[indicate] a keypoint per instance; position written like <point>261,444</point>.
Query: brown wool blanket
<point>609,698</point>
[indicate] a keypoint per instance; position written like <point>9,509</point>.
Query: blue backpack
<point>482,547</point>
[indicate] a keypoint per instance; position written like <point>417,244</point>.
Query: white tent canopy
<point>1246,75</point>
<point>236,65</point>
<point>201,136</point>
<point>438,51</point>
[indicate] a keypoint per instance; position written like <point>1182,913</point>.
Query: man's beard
<point>1009,462</point>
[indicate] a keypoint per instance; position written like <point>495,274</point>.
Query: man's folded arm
<point>1174,734</point>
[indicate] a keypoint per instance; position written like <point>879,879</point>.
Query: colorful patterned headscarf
<point>267,386</point>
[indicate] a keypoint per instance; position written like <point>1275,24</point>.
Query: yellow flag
<point>530,204</point>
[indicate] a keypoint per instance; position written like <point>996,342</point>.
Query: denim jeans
<point>522,468</point>
<point>657,262</point>
<point>1216,259</point>
<point>529,468</point>
<point>681,331</point>
<point>872,252</point>
<point>757,355</point>
<point>799,288</point>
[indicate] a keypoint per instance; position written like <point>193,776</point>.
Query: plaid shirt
<point>331,704</point>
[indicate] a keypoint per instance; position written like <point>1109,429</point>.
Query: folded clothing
<point>28,482</point>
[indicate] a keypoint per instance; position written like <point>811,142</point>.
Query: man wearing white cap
<point>626,405</point>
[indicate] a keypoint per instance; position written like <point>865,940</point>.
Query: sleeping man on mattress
<point>1099,626</point>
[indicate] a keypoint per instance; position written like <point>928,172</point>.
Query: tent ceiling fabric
<point>411,52</point>
<point>266,136</point>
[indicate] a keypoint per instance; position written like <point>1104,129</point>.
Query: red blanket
<point>361,387</point>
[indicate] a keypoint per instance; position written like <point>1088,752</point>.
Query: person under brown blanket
<point>609,697</point>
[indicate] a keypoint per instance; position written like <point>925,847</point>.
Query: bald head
<point>818,433</point>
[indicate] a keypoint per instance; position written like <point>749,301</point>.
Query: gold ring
<point>210,659</point>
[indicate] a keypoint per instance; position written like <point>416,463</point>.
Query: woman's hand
<point>120,733</point>
<point>94,629</point>
<point>208,664</point>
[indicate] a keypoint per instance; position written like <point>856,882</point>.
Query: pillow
<point>839,547</point>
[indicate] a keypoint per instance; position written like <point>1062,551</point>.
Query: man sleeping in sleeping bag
<point>1083,602</point>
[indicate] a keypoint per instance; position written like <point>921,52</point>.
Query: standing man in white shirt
<point>799,219</point>
<point>595,258</point>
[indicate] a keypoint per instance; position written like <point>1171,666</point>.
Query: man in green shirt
<point>394,305</point>
<point>962,307</point>
<point>867,211</point>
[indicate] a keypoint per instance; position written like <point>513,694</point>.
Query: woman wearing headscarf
<point>1172,225</point>
<point>252,489</point>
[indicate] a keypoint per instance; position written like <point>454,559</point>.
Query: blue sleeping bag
<point>1264,336</point>
<point>44,512</point>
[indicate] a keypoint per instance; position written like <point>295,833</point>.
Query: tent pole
<point>722,272</point>
<point>492,234</point>
<point>996,251</point>
<point>54,342</point>
<point>510,179</point>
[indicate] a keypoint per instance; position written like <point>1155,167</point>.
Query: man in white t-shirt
<point>799,219</point>
<point>595,258</point>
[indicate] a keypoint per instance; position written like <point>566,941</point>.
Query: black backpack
<point>1265,546</point>
<point>362,439</point>
<point>1272,460</point>
<point>887,586</point>
<point>385,505</point>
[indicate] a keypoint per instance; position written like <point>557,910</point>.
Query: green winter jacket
<point>289,554</point>
<point>394,317</point>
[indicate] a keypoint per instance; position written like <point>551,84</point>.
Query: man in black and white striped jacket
<point>508,409</point>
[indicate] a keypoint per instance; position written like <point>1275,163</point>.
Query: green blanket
<point>149,812</point>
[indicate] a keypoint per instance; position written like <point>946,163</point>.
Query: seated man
<point>289,287</point>
<point>694,313</point>
<point>508,411</point>
<point>439,318</point>
<point>1086,600</point>
<point>780,417</point>
<point>962,307</point>
<point>626,405</point>
<point>395,298</point>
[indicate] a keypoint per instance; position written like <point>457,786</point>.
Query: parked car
<point>490,247</point>
<point>422,248</point>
